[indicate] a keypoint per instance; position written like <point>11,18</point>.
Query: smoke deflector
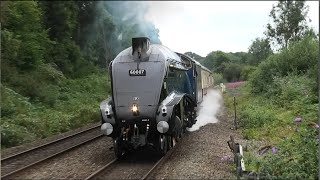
<point>140,46</point>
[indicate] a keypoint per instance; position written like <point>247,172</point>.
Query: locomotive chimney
<point>140,46</point>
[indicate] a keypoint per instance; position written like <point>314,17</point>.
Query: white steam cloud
<point>208,110</point>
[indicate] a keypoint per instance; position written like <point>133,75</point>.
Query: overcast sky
<point>205,26</point>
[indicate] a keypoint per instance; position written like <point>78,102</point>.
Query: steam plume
<point>208,110</point>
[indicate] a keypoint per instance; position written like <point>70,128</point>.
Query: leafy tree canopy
<point>289,23</point>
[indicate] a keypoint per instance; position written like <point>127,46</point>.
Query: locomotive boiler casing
<point>141,91</point>
<point>144,91</point>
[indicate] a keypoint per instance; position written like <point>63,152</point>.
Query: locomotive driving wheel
<point>118,149</point>
<point>163,144</point>
<point>170,142</point>
<point>179,130</point>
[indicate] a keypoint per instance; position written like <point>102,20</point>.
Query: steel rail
<point>159,163</point>
<point>49,157</point>
<point>47,144</point>
<point>97,173</point>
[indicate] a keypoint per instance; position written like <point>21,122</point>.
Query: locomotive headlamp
<point>135,109</point>
<point>162,126</point>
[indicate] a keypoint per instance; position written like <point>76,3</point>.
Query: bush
<point>293,91</point>
<point>296,158</point>
<point>255,116</point>
<point>12,135</point>
<point>75,102</point>
<point>231,72</point>
<point>299,58</point>
<point>246,71</point>
<point>218,78</point>
<point>85,116</point>
<point>13,103</point>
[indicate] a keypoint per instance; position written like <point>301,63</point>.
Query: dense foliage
<point>195,56</point>
<point>271,117</point>
<point>300,58</point>
<point>52,56</point>
<point>260,50</point>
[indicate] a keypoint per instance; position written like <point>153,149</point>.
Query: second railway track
<point>18,162</point>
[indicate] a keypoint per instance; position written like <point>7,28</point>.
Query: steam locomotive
<point>155,93</point>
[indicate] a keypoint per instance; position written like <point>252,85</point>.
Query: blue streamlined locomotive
<point>155,93</point>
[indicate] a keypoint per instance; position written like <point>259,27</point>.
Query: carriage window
<point>176,81</point>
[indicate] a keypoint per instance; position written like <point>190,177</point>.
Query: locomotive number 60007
<point>137,72</point>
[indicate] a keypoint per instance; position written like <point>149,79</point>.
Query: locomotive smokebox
<point>140,46</point>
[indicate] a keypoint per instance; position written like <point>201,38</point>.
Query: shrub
<point>255,116</point>
<point>295,159</point>
<point>13,103</point>
<point>74,103</point>
<point>85,116</point>
<point>12,135</point>
<point>231,72</point>
<point>299,58</point>
<point>246,71</point>
<point>218,78</point>
<point>293,91</point>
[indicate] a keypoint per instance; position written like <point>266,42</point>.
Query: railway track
<point>20,161</point>
<point>139,165</point>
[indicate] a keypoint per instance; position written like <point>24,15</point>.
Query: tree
<point>24,38</point>
<point>217,60</point>
<point>259,49</point>
<point>86,16</point>
<point>219,63</point>
<point>61,18</point>
<point>246,71</point>
<point>289,22</point>
<point>232,72</point>
<point>194,56</point>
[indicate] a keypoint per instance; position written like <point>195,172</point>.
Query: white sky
<point>205,26</point>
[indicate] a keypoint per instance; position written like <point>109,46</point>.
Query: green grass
<point>266,118</point>
<point>76,104</point>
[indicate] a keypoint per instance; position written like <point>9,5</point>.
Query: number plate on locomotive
<point>137,72</point>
